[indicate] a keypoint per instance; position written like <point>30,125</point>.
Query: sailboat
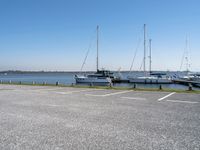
<point>195,78</point>
<point>151,78</point>
<point>188,75</point>
<point>100,76</point>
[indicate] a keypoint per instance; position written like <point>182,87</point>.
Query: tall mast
<point>150,56</point>
<point>97,47</point>
<point>185,58</point>
<point>145,50</point>
<point>186,55</point>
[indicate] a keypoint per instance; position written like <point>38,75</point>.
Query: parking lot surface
<point>44,117</point>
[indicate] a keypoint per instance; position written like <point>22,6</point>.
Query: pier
<point>185,82</point>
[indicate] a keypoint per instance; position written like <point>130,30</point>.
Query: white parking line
<point>51,105</point>
<point>43,89</point>
<point>70,92</point>
<point>63,93</point>
<point>109,94</point>
<point>166,96</point>
<point>134,98</point>
<point>180,101</point>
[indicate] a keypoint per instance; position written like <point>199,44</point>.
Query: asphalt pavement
<point>44,117</point>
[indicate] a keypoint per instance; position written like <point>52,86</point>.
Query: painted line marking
<point>62,93</point>
<point>44,89</point>
<point>181,101</point>
<point>109,94</point>
<point>134,98</point>
<point>70,92</point>
<point>94,95</point>
<point>51,105</point>
<point>7,89</point>
<point>166,96</point>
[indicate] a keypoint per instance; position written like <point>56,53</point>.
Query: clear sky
<point>54,35</point>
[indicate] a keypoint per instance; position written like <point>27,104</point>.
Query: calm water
<point>67,78</point>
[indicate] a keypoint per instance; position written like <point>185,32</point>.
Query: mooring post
<point>190,87</point>
<point>91,84</point>
<point>110,84</point>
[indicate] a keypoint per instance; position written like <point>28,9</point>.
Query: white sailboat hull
<point>92,80</point>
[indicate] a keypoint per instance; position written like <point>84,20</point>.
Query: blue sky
<point>54,35</point>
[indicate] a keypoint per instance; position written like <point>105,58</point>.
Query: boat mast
<point>150,56</point>
<point>97,48</point>
<point>144,50</point>
<point>186,56</point>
